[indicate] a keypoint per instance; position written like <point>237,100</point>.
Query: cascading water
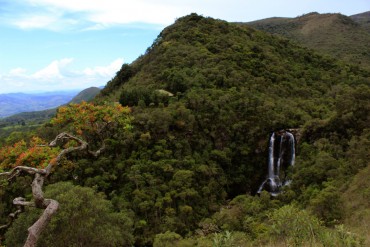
<point>281,157</point>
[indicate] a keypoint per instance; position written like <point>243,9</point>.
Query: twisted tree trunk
<point>50,206</point>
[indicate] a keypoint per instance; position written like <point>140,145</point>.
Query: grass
<point>357,204</point>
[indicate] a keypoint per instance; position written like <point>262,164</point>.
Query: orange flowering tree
<point>87,119</point>
<point>35,154</point>
<point>84,128</point>
<point>93,123</point>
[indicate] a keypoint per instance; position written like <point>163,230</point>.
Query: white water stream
<point>281,157</point>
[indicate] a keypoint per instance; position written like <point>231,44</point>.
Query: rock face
<point>296,133</point>
<point>282,148</point>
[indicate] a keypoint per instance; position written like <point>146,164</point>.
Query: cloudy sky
<point>48,45</point>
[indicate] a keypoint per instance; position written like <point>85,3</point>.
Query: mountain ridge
<point>21,102</point>
<point>332,34</point>
<point>35,118</point>
<point>363,19</point>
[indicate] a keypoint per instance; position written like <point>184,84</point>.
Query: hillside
<point>203,101</point>
<point>337,35</point>
<point>363,19</point>
<point>357,202</point>
<point>232,86</point>
<point>87,95</point>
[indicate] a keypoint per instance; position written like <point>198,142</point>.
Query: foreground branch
<point>50,206</point>
<point>12,217</point>
<point>36,229</point>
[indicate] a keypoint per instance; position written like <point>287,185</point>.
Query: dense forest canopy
<point>204,99</point>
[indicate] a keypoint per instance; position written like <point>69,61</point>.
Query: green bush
<point>84,218</point>
<point>295,227</point>
<point>167,239</point>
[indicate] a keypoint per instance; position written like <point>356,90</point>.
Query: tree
<point>86,218</point>
<point>166,239</point>
<point>85,122</point>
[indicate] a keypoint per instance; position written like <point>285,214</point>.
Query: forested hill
<point>199,52</point>
<point>206,96</point>
<point>204,99</point>
<point>334,34</point>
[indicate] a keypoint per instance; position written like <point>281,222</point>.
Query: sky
<point>59,45</point>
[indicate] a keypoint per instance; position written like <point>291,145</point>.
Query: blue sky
<point>48,45</point>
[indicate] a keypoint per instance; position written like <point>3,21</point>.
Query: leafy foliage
<point>35,154</point>
<point>88,120</point>
<point>298,228</point>
<point>85,218</point>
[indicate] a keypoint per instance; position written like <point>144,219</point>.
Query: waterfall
<point>271,168</point>
<point>281,157</point>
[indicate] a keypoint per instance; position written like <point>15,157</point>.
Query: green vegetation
<point>333,34</point>
<point>356,201</point>
<point>204,99</point>
<point>85,219</point>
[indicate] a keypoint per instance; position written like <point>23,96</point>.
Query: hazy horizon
<point>40,92</point>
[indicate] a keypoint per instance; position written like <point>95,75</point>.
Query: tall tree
<point>84,122</point>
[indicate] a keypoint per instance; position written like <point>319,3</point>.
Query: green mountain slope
<point>357,202</point>
<point>333,34</point>
<point>87,95</point>
<point>205,98</point>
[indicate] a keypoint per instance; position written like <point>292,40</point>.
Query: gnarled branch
<point>50,206</point>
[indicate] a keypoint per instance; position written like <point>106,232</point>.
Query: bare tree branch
<point>12,217</point>
<point>50,206</point>
<point>17,170</point>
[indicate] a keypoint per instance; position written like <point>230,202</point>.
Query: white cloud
<point>99,14</point>
<point>58,75</point>
<point>35,21</point>
<point>17,72</point>
<point>117,11</point>
<point>53,71</point>
<point>92,14</point>
<point>106,71</point>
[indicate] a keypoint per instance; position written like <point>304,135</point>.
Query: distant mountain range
<point>20,102</point>
<point>363,19</point>
<point>40,100</point>
<point>340,36</point>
